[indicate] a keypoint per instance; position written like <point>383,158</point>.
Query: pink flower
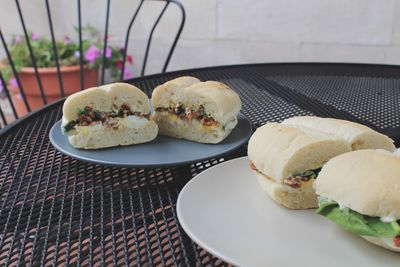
<point>127,73</point>
<point>108,52</point>
<point>129,59</point>
<point>1,87</point>
<point>17,39</point>
<point>19,96</point>
<point>119,64</point>
<point>14,83</point>
<point>92,54</point>
<point>67,40</point>
<point>35,36</point>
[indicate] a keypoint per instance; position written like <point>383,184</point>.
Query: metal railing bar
<point>55,49</point>
<point>5,87</point>
<point>127,38</point>
<point>103,67</point>
<point>3,117</point>
<point>28,44</point>
<point>80,45</point>
<point>178,34</point>
<point>151,37</point>
<point>15,72</point>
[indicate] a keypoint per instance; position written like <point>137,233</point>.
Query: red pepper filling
<point>252,166</point>
<point>296,181</point>
<point>189,114</point>
<point>396,241</point>
<point>89,116</point>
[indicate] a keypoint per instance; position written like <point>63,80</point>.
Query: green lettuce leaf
<point>357,223</point>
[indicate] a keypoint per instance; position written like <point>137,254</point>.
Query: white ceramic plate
<point>225,212</point>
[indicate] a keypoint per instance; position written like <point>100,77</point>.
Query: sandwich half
<point>287,160</point>
<point>358,136</point>
<point>187,108</point>
<point>360,191</point>
<point>116,114</point>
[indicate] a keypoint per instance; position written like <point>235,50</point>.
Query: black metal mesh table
<point>55,210</point>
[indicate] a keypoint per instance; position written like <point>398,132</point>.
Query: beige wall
<point>221,32</point>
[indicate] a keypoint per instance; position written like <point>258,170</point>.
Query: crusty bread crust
<point>357,135</point>
<point>108,137</point>
<point>217,98</point>
<point>280,151</point>
<point>300,198</point>
<point>107,98</point>
<point>381,242</point>
<point>366,181</point>
<point>104,98</point>
<point>304,143</point>
<point>171,92</point>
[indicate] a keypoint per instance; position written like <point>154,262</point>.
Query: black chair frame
<point>166,4</point>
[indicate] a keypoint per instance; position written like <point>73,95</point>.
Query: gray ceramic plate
<point>226,212</point>
<point>163,151</point>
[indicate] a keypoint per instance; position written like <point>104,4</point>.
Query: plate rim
<point>198,238</point>
<point>248,122</point>
<point>184,225</point>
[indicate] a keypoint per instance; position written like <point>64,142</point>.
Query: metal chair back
<point>165,5</point>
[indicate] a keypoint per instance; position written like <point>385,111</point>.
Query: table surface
<point>57,210</point>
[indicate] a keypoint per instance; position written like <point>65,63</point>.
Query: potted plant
<point>69,57</point>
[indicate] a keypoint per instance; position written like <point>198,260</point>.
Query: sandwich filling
<point>189,114</point>
<point>297,180</point>
<point>91,117</point>
<point>358,223</point>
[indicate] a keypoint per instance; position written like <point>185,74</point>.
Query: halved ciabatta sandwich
<point>360,191</point>
<point>287,161</point>
<point>106,116</point>
<point>353,135</point>
<point>204,112</point>
<point>358,136</point>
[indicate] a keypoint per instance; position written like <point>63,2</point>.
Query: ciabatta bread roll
<point>358,136</point>
<point>288,156</point>
<point>360,191</point>
<point>287,160</point>
<point>204,112</point>
<point>107,116</point>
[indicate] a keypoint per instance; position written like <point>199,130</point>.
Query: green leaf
<point>357,223</point>
<point>310,174</point>
<point>71,125</point>
<point>82,111</point>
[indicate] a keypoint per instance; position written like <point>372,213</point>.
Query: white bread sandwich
<point>286,161</point>
<point>357,135</point>
<point>116,114</point>
<point>360,191</point>
<point>204,112</point>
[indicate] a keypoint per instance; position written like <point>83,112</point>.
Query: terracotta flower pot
<point>71,83</point>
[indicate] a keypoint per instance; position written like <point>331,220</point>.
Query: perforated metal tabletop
<point>55,210</point>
